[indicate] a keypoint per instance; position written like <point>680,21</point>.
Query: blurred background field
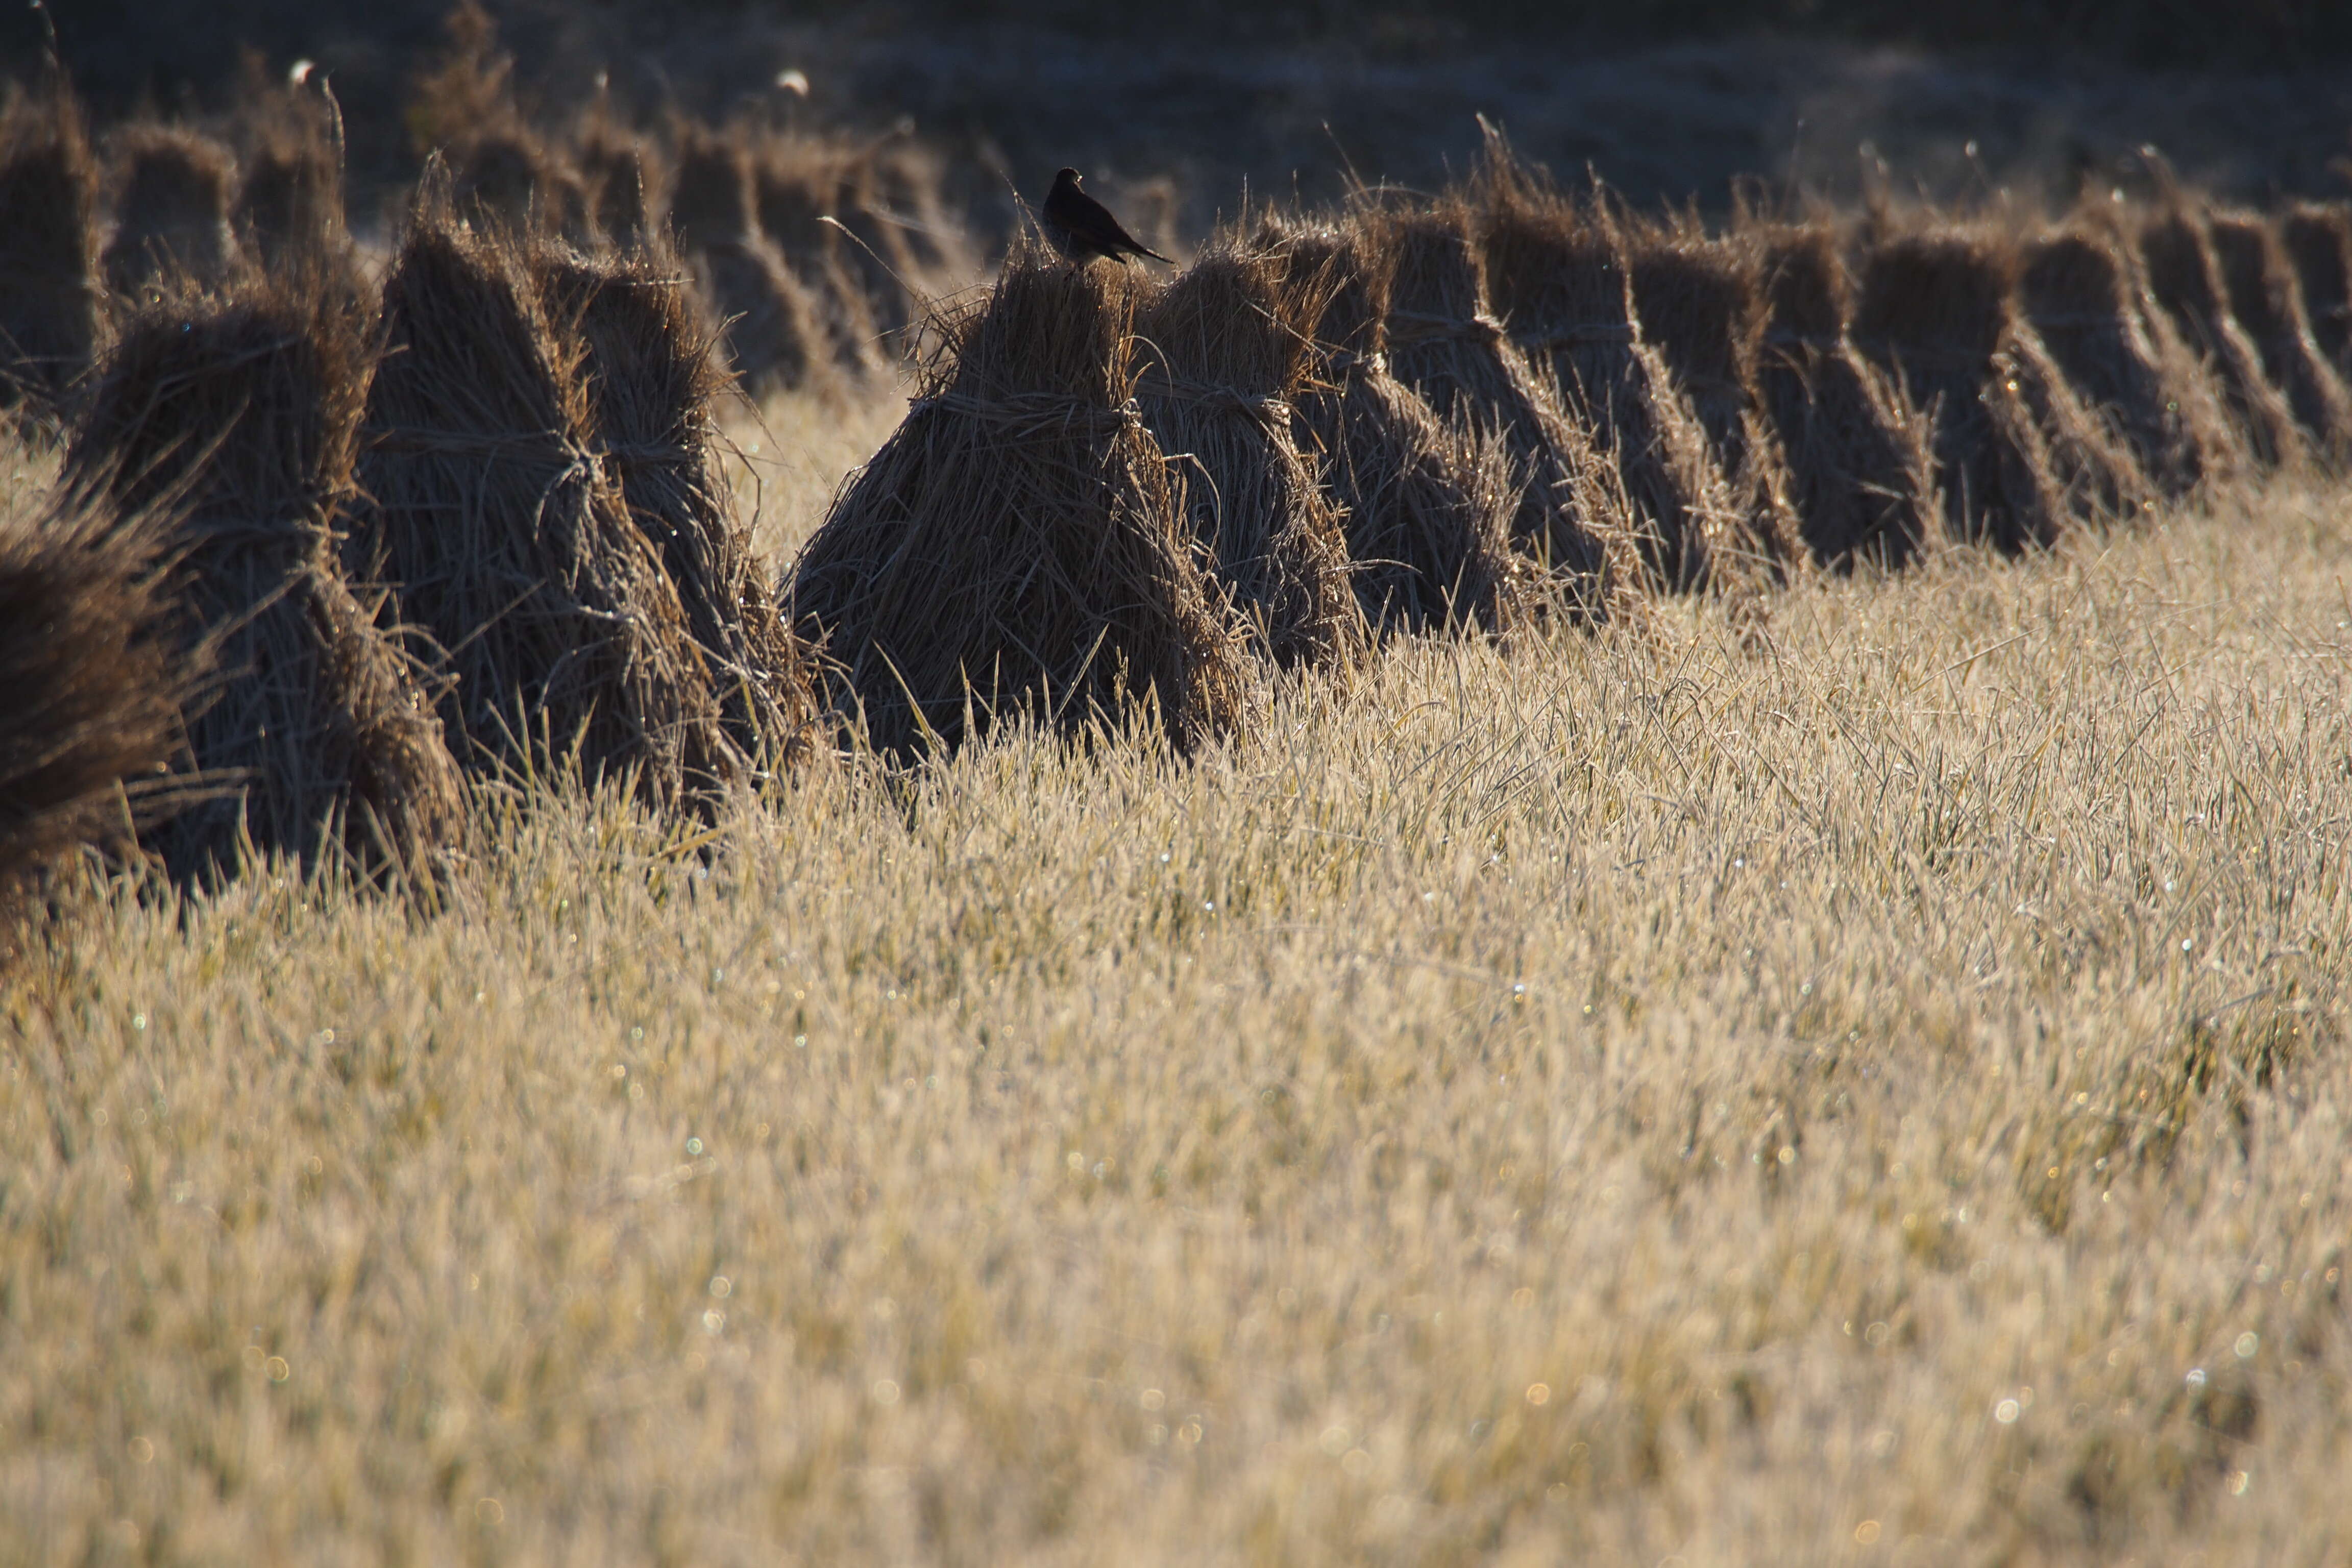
<point>1667,102</point>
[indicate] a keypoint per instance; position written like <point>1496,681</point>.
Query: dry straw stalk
<point>1225,348</point>
<point>1427,506</point>
<point>235,423</point>
<point>1018,546</point>
<point>507,541</point>
<point>502,170</point>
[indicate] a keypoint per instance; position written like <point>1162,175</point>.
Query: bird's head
<point>1067,177</point>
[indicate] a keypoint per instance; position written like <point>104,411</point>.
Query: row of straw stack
<point>808,254</point>
<point>329,565</point>
<point>406,542</point>
<point>1510,402</point>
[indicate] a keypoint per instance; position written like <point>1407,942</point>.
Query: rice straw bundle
<point>508,544</point>
<point>2267,301</point>
<point>772,323</point>
<point>464,111</point>
<point>90,695</point>
<point>653,381</point>
<point>507,175</point>
<point>2185,278</point>
<point>621,175</point>
<point>1225,348</point>
<point>2318,236</point>
<point>1019,545</point>
<point>1447,346</point>
<point>2078,289</point>
<point>2097,471</point>
<point>289,208</point>
<point>1861,465</point>
<point>171,211</point>
<point>236,422</point>
<point>50,289</point>
<point>1701,303</point>
<point>1559,285</point>
<point>1427,507</point>
<point>795,178</point>
<point>2094,462</point>
<point>1937,309</point>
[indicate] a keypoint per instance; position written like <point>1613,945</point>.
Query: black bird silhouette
<point>1082,227</point>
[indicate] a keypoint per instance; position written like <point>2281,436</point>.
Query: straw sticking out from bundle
<point>2318,237</point>
<point>2186,280</point>
<point>1860,465</point>
<point>1226,345</point>
<point>1701,303</point>
<point>89,694</point>
<point>235,423</point>
<point>508,544</point>
<point>773,324</point>
<point>653,380</point>
<point>49,289</point>
<point>1017,546</point>
<point>1560,287</point>
<point>1427,507</point>
<point>171,212</point>
<point>1447,346</point>
<point>2267,301</point>
<point>2078,289</point>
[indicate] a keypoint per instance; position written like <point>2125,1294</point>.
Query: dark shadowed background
<point>1669,101</point>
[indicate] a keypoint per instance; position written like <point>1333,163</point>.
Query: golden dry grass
<point>1634,1097</point>
<point>790,452</point>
